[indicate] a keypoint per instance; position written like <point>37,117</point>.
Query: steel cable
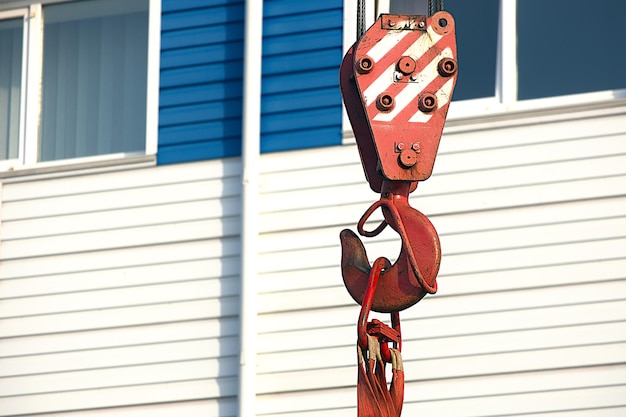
<point>360,19</point>
<point>434,6</point>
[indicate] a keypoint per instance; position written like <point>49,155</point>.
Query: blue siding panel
<point>197,55</point>
<point>199,151</point>
<point>206,16</point>
<point>229,129</point>
<point>214,73</point>
<point>202,70</point>
<point>198,93</point>
<point>178,5</point>
<point>281,141</point>
<point>310,60</point>
<point>302,51</point>
<point>298,81</point>
<point>201,80</point>
<point>200,36</point>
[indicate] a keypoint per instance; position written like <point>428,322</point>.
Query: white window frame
<point>504,101</point>
<point>16,14</point>
<point>30,103</point>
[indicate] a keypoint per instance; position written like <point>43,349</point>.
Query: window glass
<point>477,44</point>
<point>11,41</point>
<point>408,7</point>
<point>476,38</point>
<point>570,46</point>
<point>94,78</point>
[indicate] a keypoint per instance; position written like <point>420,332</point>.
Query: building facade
<point>123,175</point>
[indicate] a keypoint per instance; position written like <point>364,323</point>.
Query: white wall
<point>530,312</point>
<point>121,289</point>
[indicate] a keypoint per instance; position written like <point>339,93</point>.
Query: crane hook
<point>413,275</point>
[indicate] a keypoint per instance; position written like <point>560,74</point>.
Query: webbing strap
<point>374,399</point>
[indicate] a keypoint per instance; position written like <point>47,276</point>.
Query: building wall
<point>201,80</point>
<point>201,77</point>
<point>528,319</point>
<point>120,289</point>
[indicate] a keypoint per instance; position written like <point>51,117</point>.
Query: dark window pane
<point>10,85</point>
<point>408,6</point>
<point>94,78</point>
<point>477,43</point>
<point>570,46</point>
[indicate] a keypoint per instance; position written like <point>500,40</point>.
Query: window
<point>11,57</point>
<point>569,47</point>
<point>527,54</point>
<point>76,81</point>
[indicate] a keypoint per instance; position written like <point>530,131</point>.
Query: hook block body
<point>397,83</point>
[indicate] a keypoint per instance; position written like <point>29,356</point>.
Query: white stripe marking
<point>384,80</point>
<point>381,83</point>
<point>386,44</point>
<point>412,90</point>
<point>443,97</point>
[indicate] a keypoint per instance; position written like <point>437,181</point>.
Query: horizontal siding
<point>201,78</point>
<point>119,291</point>
<point>302,51</point>
<point>530,317</point>
<point>202,70</point>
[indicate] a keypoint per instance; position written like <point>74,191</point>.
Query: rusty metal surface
<point>397,82</point>
<point>413,275</point>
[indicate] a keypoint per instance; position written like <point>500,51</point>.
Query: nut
<point>384,102</point>
<point>447,67</point>
<point>364,64</point>
<point>406,65</point>
<point>408,158</point>
<point>427,102</point>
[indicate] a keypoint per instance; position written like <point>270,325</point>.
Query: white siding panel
<point>226,406</point>
<point>122,257</point>
<point>530,316</point>
<point>122,218</point>
<point>112,338</point>
<point>131,179</point>
<point>121,289</point>
<point>142,275</point>
<point>216,395</point>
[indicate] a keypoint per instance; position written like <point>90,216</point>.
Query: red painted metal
<point>414,274</point>
<point>397,83</point>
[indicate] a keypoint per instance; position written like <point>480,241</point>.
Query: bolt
<point>446,67</point>
<point>406,65</point>
<point>391,23</point>
<point>399,146</point>
<point>408,159</point>
<point>443,22</point>
<point>427,102</point>
<point>416,147</point>
<point>421,24</point>
<point>397,76</point>
<point>364,64</point>
<point>384,102</point>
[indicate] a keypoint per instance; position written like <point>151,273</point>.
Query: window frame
<point>504,102</point>
<point>16,14</point>
<point>30,104</point>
